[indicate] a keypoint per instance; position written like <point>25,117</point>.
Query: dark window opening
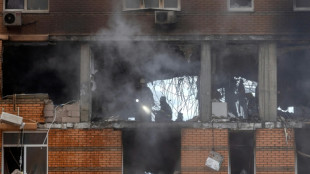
<point>240,3</point>
<point>153,151</point>
<point>241,152</point>
<point>25,152</point>
<point>302,3</point>
<point>137,75</point>
<point>293,82</point>
<point>14,4</point>
<point>54,70</point>
<point>234,83</point>
<point>302,140</point>
<point>12,157</point>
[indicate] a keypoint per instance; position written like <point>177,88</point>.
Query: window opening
<point>151,4</point>
<point>241,150</point>
<point>302,5</point>
<point>303,150</point>
<point>241,5</point>
<point>234,84</point>
<point>27,5</point>
<point>24,152</point>
<point>151,151</point>
<point>138,80</point>
<point>51,69</point>
<point>293,82</point>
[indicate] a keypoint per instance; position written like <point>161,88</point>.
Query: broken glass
<point>14,4</point>
<point>37,4</point>
<point>171,3</point>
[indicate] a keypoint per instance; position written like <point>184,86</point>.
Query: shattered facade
<point>155,86</point>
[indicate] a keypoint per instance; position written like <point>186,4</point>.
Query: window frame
<point>240,9</point>
<point>299,8</point>
<point>161,6</point>
<point>25,10</point>
<point>24,146</point>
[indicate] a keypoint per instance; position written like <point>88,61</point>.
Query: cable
<point>55,115</point>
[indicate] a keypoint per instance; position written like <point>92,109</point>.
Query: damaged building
<point>155,86</point>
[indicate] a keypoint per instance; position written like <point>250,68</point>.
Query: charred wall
<point>52,69</point>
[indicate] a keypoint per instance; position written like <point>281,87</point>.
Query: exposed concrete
<point>234,37</point>
<point>267,81</point>
<point>132,125</point>
<point>69,113</point>
<point>205,105</point>
<point>85,94</point>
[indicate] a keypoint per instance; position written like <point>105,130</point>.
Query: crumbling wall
<point>68,113</point>
<point>30,106</point>
<point>85,151</point>
<point>273,153</point>
<point>196,146</point>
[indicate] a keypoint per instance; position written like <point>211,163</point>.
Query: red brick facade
<point>202,17</point>
<point>273,155</point>
<point>85,151</point>
<point>196,145</point>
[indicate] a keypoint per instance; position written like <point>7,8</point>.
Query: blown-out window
<point>151,4</point>
<point>301,5</point>
<point>240,5</point>
<point>26,5</point>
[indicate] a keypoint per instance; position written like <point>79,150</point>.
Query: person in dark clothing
<point>145,102</point>
<point>165,112</point>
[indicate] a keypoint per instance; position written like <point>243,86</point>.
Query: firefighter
<point>165,112</point>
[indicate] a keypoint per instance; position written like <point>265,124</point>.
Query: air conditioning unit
<point>11,118</point>
<point>12,18</point>
<point>165,17</point>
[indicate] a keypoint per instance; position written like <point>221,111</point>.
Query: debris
<point>214,160</point>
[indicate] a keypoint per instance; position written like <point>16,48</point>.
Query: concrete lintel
<point>214,37</point>
<point>175,125</point>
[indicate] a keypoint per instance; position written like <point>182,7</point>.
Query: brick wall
<point>273,155</point>
<point>199,17</point>
<point>81,151</point>
<point>30,106</point>
<point>196,145</point>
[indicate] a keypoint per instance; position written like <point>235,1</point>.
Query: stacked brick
<point>273,154</point>
<point>196,145</point>
<point>29,106</point>
<point>82,151</point>
<point>69,113</point>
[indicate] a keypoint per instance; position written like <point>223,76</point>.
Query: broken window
<point>241,152</point>
<point>234,83</point>
<point>241,5</point>
<point>301,5</point>
<point>151,4</point>
<point>51,69</point>
<point>181,95</point>
<point>137,77</point>
<point>151,151</point>
<point>293,81</point>
<point>25,152</point>
<point>302,141</point>
<point>27,5</point>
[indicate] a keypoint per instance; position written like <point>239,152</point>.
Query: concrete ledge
<point>133,124</point>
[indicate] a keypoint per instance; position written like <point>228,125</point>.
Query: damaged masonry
<point>155,87</point>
